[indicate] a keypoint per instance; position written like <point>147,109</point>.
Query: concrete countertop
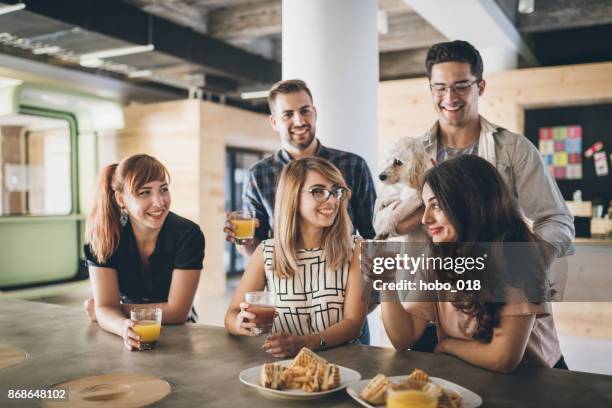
<point>202,364</point>
<point>593,241</point>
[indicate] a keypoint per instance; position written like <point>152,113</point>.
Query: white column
<point>333,46</point>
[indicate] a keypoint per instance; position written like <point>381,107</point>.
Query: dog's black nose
<point>382,176</point>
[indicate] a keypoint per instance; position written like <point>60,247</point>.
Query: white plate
<point>251,376</point>
<point>469,399</point>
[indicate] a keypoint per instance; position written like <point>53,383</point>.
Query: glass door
<point>237,162</point>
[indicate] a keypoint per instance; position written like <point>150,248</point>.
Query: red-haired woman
<point>138,251</point>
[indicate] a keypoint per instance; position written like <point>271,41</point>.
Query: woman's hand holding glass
<point>245,321</point>
<point>131,339</point>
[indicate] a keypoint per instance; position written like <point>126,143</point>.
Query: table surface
<point>202,364</point>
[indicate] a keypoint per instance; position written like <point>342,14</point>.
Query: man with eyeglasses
<point>455,71</point>
<point>294,117</point>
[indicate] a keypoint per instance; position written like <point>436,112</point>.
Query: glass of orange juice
<point>147,325</point>
<point>410,399</point>
<point>244,220</point>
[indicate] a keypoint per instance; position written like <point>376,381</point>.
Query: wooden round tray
<point>9,356</point>
<point>114,390</point>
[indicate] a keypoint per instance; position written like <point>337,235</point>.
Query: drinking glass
<point>244,220</point>
<point>410,399</point>
<point>262,305</point>
<point>147,325</point>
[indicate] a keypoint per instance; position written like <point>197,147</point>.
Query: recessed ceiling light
<point>254,95</point>
<point>140,73</point>
<point>117,52</point>
<point>526,6</point>
<point>51,49</point>
<point>90,62</point>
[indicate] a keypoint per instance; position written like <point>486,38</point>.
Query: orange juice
<point>148,330</point>
<point>245,229</point>
<point>411,399</point>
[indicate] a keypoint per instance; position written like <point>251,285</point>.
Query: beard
<point>305,142</point>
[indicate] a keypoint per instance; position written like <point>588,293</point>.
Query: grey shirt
<point>446,153</point>
<point>522,168</point>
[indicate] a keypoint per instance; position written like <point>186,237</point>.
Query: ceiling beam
<point>408,30</point>
<point>552,15</point>
<point>179,12</point>
<point>124,21</point>
<point>402,64</point>
<point>482,23</point>
<point>246,20</point>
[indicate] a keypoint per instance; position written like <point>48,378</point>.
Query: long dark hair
<point>479,205</point>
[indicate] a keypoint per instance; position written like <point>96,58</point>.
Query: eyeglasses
<point>460,88</point>
<point>321,194</point>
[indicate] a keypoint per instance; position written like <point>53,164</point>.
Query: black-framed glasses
<point>460,88</point>
<point>321,194</point>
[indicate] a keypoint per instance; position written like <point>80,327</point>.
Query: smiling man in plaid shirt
<point>294,117</point>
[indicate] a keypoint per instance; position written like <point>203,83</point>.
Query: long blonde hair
<point>103,229</point>
<point>336,239</point>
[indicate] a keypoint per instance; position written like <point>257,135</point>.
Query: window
<point>35,166</point>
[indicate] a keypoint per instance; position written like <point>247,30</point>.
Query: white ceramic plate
<point>250,377</point>
<point>469,399</point>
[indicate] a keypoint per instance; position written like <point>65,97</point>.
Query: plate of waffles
<point>372,392</point>
<point>307,376</point>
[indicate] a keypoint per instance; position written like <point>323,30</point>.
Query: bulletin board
<point>560,132</point>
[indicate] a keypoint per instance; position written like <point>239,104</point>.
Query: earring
<point>123,218</point>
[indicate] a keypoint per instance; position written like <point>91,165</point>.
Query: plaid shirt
<point>260,190</point>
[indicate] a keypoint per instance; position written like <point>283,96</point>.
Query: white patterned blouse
<point>313,299</point>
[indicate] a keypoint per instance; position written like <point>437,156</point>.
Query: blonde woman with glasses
<point>312,265</point>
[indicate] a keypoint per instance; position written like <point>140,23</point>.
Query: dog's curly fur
<point>402,177</point>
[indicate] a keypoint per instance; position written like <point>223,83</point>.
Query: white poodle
<point>400,195</point>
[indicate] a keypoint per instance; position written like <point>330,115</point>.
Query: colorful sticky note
<point>559,172</point>
<point>545,133</point>
<point>575,158</point>
<point>574,132</point>
<point>573,145</point>
<point>560,159</point>
<point>546,146</point>
<point>560,146</point>
<point>574,172</point>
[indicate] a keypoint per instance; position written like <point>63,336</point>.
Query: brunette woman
<point>507,322</point>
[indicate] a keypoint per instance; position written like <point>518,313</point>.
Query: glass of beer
<point>147,326</point>
<point>262,305</point>
<point>244,220</point>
